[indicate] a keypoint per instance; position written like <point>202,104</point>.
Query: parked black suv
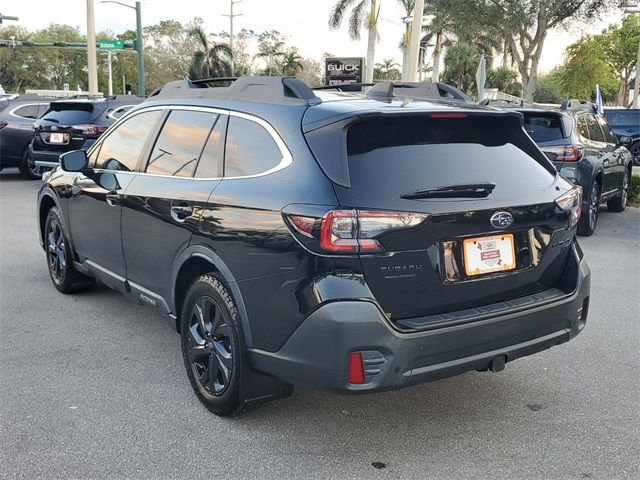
<point>350,242</point>
<point>17,114</point>
<point>584,149</point>
<point>75,124</point>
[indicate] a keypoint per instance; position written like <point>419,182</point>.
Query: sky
<point>303,21</point>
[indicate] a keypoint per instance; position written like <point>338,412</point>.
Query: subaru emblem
<point>501,219</point>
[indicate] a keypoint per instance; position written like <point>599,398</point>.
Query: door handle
<point>113,198</point>
<point>181,212</point>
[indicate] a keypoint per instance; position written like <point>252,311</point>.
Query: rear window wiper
<point>467,190</point>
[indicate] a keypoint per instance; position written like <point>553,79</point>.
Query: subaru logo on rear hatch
<point>501,219</point>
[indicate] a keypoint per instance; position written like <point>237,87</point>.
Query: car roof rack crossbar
<point>275,90</point>
<point>411,90</point>
<point>575,104</point>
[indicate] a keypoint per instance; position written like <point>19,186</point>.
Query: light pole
<point>92,64</point>
<point>139,49</point>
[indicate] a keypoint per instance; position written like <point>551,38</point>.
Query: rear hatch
<point>471,174</point>
<point>67,125</point>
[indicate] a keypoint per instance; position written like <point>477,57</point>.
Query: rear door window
<point>180,143</point>
<point>595,133</point>
<point>124,146</point>
<point>249,150</point>
<point>211,160</point>
<point>543,128</point>
<point>609,136</point>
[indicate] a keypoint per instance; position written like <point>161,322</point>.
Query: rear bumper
<point>44,158</point>
<point>316,353</point>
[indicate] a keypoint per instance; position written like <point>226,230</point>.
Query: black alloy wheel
<point>213,344</point>
<point>589,219</point>
<point>209,346</point>
<point>28,167</point>
<point>56,251</point>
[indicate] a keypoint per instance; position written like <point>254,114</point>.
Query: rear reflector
<point>355,374</point>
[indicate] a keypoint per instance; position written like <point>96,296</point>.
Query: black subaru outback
<point>350,242</point>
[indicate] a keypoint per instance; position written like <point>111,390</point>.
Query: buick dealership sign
<point>343,71</point>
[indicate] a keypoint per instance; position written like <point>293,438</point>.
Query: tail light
<point>571,202</point>
<point>90,131</point>
<point>353,231</point>
<point>3,124</point>
<point>564,153</point>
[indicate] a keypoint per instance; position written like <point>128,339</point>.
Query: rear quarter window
<point>250,149</point>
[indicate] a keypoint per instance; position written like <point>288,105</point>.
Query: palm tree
<point>212,60</point>
<point>270,47</point>
<point>406,36</point>
<point>291,63</point>
<point>387,70</point>
<point>357,18</point>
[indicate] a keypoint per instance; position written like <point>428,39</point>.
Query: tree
<point>211,59</point>
<point>585,66</point>
<point>291,62</point>
<point>621,47</point>
<point>357,18</point>
<point>387,70</point>
<point>406,35</point>
<point>505,80</point>
<point>549,87</point>
<point>525,24</point>
<point>271,47</point>
<point>460,65</point>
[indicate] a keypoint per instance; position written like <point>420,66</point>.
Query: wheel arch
<point>197,260</point>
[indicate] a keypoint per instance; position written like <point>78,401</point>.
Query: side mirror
<point>625,140</point>
<point>74,161</point>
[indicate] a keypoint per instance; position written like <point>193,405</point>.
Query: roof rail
<point>277,90</point>
<point>575,104</point>
<point>411,90</point>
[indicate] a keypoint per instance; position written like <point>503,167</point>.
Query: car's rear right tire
<point>589,219</point>
<point>619,203</point>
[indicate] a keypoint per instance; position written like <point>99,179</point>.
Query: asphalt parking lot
<point>93,386</point>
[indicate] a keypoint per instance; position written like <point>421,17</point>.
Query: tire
<point>635,152</point>
<point>212,341</point>
<point>618,204</point>
<point>28,167</point>
<point>589,218</point>
<point>59,256</point>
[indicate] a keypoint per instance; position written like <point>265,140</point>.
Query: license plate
<point>489,254</point>
<point>56,138</point>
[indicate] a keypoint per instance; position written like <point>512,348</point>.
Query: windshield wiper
<point>468,190</point>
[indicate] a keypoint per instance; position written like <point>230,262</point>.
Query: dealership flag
<point>599,107</point>
<point>481,77</point>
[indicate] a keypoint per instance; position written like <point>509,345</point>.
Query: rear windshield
<point>623,117</point>
<point>415,153</point>
<point>69,113</point>
<point>543,128</point>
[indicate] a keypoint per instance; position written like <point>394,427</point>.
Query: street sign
<point>110,44</point>
<point>343,71</point>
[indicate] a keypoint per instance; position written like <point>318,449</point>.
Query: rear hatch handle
<point>467,190</point>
